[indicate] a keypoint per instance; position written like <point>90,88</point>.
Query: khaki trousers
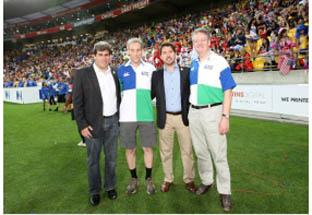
<point>166,136</point>
<point>209,144</point>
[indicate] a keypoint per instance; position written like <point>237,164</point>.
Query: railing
<point>267,62</point>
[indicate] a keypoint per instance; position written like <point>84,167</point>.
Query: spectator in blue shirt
<point>44,93</point>
<point>52,95</point>
<point>62,91</point>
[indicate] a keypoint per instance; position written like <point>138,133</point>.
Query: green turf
<point>45,170</point>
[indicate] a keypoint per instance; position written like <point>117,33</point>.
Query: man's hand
<point>86,132</point>
<point>224,125</point>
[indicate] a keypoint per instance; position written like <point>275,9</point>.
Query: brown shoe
<point>190,187</point>
<point>202,189</point>
<point>225,202</point>
<point>165,186</point>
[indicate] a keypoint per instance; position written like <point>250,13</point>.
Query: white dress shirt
<point>108,90</point>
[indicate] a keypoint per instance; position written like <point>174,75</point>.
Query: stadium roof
<point>20,8</point>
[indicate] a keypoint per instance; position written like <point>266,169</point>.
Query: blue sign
<point>7,95</point>
<point>19,95</point>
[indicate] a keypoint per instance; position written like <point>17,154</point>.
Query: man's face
<point>168,56</point>
<point>102,59</point>
<point>135,52</point>
<point>201,43</point>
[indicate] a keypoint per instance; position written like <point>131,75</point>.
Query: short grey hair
<point>102,46</point>
<point>135,40</point>
<point>200,30</point>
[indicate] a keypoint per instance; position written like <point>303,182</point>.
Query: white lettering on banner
<point>139,5</point>
<point>84,22</point>
<point>107,15</point>
<point>135,6</point>
<point>41,32</point>
<point>126,9</point>
<point>280,99</point>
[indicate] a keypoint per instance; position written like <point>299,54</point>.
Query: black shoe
<point>95,199</point>
<point>202,189</point>
<point>50,109</point>
<point>226,202</point>
<point>56,109</point>
<point>112,194</point>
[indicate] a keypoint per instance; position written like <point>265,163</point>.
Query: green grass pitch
<point>45,170</point>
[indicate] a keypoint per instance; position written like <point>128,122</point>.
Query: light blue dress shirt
<point>172,89</point>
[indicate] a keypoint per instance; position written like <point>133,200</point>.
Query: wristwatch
<point>225,115</point>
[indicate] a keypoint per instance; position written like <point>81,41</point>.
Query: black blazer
<point>87,100</point>
<point>158,91</point>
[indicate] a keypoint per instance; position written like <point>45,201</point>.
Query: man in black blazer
<point>170,86</point>
<point>96,99</point>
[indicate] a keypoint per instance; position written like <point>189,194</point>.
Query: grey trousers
<point>94,146</point>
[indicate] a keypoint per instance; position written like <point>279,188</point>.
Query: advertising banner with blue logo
<point>22,95</point>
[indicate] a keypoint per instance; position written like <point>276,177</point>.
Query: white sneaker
<point>81,144</point>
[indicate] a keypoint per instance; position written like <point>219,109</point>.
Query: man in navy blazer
<point>96,99</point>
<point>170,86</point>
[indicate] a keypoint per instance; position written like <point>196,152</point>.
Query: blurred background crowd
<point>252,35</point>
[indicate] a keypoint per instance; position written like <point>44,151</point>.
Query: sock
<point>148,172</point>
<point>133,173</point>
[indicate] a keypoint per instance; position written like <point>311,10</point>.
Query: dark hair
<point>166,44</point>
<point>102,46</point>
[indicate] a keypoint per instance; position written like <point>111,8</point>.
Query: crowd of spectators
<point>252,35</point>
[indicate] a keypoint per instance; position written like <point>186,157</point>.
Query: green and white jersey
<point>209,80</point>
<point>136,102</point>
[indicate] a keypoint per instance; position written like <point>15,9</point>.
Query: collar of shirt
<point>129,63</point>
<point>176,68</point>
<point>209,57</point>
<point>98,70</point>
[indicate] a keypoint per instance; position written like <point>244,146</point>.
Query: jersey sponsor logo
<point>127,74</point>
<point>210,67</point>
<point>144,73</point>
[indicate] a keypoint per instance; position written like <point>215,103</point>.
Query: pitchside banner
<point>281,99</point>
<point>22,95</point>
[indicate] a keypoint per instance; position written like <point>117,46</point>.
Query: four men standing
<point>199,97</point>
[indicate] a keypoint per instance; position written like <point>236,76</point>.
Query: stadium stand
<point>252,35</point>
